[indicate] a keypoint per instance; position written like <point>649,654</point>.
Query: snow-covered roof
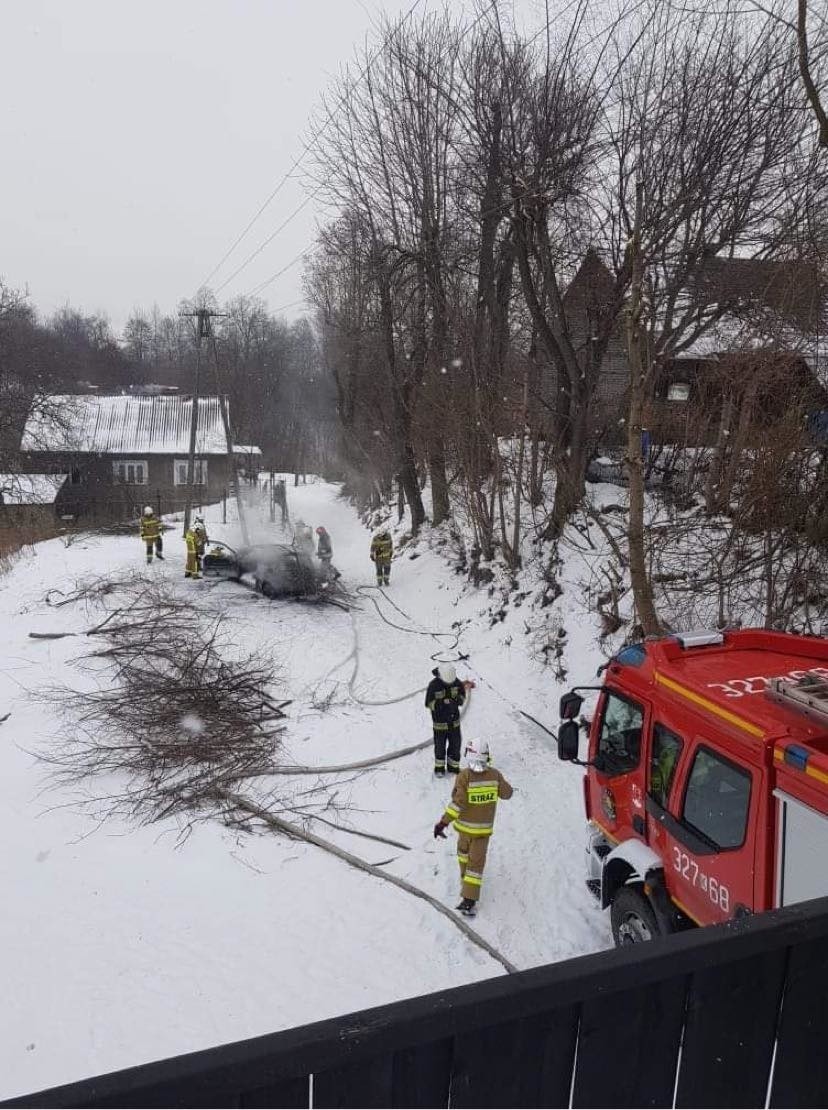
<point>30,489</point>
<point>245,449</point>
<point>123,425</point>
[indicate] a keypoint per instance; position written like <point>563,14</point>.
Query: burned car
<point>277,569</point>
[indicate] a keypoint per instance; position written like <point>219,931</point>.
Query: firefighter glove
<point>440,829</point>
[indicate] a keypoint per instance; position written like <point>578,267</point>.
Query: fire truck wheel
<point>632,916</point>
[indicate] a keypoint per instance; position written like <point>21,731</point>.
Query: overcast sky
<point>139,138</point>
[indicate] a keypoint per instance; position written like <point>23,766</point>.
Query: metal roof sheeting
<point>133,426</point>
<point>30,489</point>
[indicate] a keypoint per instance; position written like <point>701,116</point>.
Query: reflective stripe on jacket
<point>191,540</point>
<point>474,800</point>
<point>443,701</point>
<point>150,527</point>
<point>382,548</point>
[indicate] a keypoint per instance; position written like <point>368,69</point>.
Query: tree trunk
<point>639,377</point>
<point>439,483</point>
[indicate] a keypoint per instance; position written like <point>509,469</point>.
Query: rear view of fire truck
<point>706,790</point>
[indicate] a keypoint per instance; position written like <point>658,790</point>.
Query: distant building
<point>28,501</point>
<point>123,452</point>
<point>766,352</point>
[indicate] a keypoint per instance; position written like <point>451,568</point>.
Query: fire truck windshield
<point>619,742</point>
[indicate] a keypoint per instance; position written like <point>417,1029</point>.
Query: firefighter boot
<point>467,906</point>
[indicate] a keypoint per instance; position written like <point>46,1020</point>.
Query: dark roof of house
<point>791,291</point>
<point>591,290</point>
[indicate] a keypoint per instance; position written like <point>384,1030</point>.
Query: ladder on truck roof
<point>809,695</point>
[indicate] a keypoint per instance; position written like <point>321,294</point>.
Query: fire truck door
<point>701,829</point>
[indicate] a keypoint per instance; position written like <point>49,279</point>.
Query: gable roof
<point>591,290</point>
<point>123,425</point>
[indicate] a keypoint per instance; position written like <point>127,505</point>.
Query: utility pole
<point>203,331</point>
<point>228,437</point>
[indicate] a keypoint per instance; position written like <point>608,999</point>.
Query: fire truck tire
<point>633,918</point>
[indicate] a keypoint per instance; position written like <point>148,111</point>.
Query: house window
<point>181,469</point>
<point>678,391</point>
<point>130,472</point>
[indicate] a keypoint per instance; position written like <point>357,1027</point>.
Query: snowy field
<point>120,946</point>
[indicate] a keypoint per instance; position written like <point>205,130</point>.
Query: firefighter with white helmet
<point>477,790</point>
<point>445,695</point>
<point>151,533</point>
<point>200,533</point>
<point>303,537</point>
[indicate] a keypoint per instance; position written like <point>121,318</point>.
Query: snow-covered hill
<point>119,947</point>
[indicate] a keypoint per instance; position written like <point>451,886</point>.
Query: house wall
<point>94,491</point>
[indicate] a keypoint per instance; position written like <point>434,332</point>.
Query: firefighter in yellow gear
<point>200,530</point>
<point>477,790</point>
<point>382,550</point>
<point>191,569</point>
<point>151,533</point>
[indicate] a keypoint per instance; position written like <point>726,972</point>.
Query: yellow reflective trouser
<point>471,855</point>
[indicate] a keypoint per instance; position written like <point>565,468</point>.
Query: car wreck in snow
<point>277,569</point>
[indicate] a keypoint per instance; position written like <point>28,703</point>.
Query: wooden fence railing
<point>723,1017</point>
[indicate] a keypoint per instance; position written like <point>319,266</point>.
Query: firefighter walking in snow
<point>324,553</point>
<point>444,697</point>
<point>382,550</point>
<point>191,568</point>
<point>200,530</point>
<point>477,790</point>
<point>151,533</point>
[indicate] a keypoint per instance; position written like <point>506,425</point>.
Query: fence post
<point>224,508</point>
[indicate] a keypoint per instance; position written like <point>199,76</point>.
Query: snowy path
<point>118,948</point>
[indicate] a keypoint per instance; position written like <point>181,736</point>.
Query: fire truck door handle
<point>638,824</point>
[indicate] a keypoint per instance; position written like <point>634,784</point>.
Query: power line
<point>268,240</point>
<point>298,161</point>
<point>269,281</point>
<point>320,132</point>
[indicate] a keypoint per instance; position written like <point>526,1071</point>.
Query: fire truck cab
<point>706,789</point>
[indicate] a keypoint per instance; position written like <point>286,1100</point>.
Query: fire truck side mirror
<point>571,705</point>
<point>568,741</point>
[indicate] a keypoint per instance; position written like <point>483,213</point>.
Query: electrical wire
<point>313,140</point>
<point>298,160</point>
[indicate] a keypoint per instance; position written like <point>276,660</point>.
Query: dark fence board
<point>800,1074</point>
<point>755,948</point>
<point>519,1063</point>
<point>368,1083</point>
<point>628,1046</point>
<point>290,1094</point>
<point>422,1075</point>
<point>732,1013</point>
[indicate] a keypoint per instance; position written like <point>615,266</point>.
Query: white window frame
<point>124,465</point>
<point>678,392</point>
<point>180,479</point>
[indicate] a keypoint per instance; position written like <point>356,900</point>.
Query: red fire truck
<point>706,789</point>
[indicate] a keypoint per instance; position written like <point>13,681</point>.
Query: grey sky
<point>138,139</point>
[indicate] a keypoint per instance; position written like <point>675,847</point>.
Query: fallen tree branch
<point>370,868</point>
<point>335,768</point>
<point>359,832</point>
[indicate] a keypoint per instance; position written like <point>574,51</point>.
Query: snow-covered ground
<point>119,947</point>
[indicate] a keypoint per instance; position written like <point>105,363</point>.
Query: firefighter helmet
<point>148,510</point>
<point>477,754</point>
<point>447,673</point>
